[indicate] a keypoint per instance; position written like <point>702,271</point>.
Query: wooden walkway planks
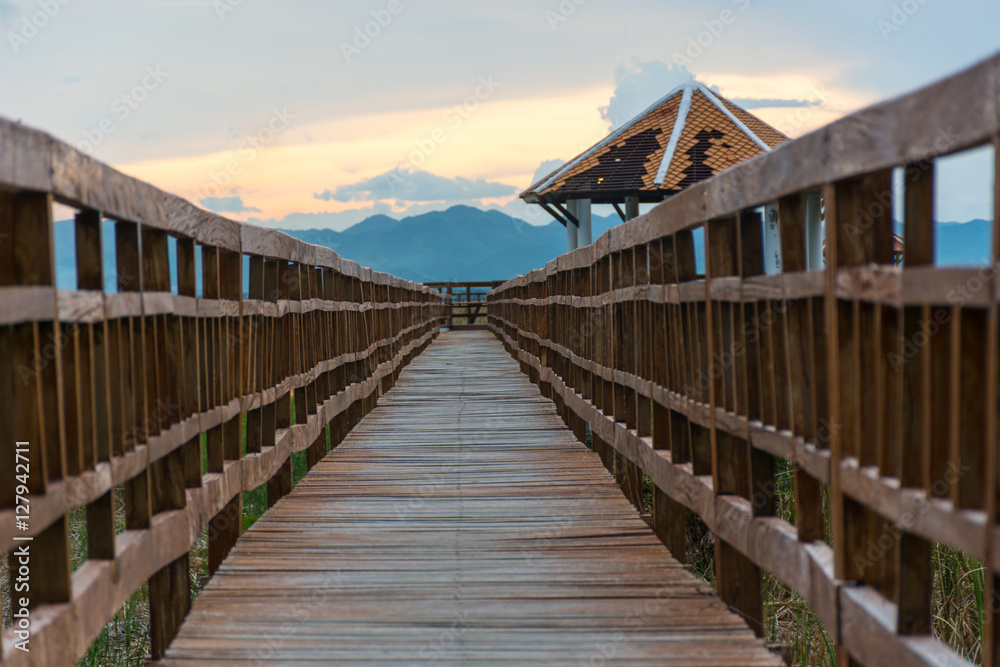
<point>460,523</point>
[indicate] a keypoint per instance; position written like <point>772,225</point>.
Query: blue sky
<point>306,112</point>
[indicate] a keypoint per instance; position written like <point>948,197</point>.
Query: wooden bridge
<point>456,520</point>
<point>460,523</point>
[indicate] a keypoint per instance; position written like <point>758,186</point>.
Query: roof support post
<point>582,212</point>
<point>772,240</point>
<point>631,207</point>
<point>814,232</point>
<point>572,230</point>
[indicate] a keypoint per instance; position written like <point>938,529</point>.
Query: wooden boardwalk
<point>460,523</point>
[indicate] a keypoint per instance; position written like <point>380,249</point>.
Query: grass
<point>957,595</point>
<point>124,641</point>
<point>957,601</point>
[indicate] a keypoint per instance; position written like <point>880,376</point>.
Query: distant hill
<point>464,243</point>
<point>461,243</point>
<point>963,243</point>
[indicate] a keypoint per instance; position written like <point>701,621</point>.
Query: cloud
<point>337,221</point>
<point>546,168</point>
<point>640,84</point>
<point>533,214</point>
<point>416,186</point>
<point>232,204</point>
<point>772,102</point>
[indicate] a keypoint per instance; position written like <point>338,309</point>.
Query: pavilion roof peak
<point>686,136</point>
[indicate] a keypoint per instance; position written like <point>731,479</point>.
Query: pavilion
<point>682,139</point>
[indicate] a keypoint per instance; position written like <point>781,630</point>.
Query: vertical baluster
<point>738,578</point>
<point>809,515</point>
<point>169,589</point>
<point>256,358</point>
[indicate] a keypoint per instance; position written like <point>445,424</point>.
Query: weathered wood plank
<point>461,508</point>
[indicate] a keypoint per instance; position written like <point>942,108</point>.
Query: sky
<point>317,114</point>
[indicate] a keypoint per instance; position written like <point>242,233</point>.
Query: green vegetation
<point>124,641</point>
<point>957,600</point>
<point>958,593</point>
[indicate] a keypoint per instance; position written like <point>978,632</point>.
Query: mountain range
<point>469,244</point>
<point>458,244</point>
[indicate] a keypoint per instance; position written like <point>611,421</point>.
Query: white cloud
<point>638,85</point>
<point>233,204</point>
<point>533,214</point>
<point>773,103</point>
<point>417,186</point>
<point>338,221</point>
<point>546,168</point>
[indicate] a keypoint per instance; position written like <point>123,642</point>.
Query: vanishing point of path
<point>460,523</point>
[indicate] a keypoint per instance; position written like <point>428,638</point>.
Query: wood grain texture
<point>878,380</point>
<point>460,521</point>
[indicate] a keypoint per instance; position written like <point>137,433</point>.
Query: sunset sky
<point>304,113</point>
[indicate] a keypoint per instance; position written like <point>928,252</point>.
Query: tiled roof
<point>687,136</point>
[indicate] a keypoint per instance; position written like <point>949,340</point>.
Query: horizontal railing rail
<point>225,349</point>
<point>468,302</point>
<point>877,383</point>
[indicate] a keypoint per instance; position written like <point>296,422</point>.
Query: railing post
<point>254,327</point>
<point>733,250</point>
<point>93,386</point>
<point>226,526</point>
<point>169,589</point>
<point>915,572</point>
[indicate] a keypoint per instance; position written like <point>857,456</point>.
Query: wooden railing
<point>878,383</point>
<point>135,387</point>
<point>468,302</point>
